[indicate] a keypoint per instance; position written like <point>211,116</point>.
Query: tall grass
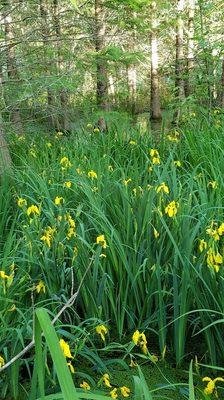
<point>157,283</point>
<point>68,390</point>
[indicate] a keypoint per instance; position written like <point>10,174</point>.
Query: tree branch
<point>69,303</point>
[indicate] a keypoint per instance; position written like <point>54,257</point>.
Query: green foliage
<point>43,323</point>
<point>99,204</point>
<point>151,276</point>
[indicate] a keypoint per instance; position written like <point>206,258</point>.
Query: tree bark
<point>101,70</point>
<point>132,86</point>
<point>222,85</point>
<point>190,50</point>
<point>132,73</point>
<point>5,158</point>
<point>179,82</point>
<point>215,75</point>
<point>45,31</point>
<point>156,113</point>
<point>207,73</point>
<point>111,89</point>
<point>63,92</point>
<point>11,64</point>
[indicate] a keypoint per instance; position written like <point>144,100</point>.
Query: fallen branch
<point>69,303</point>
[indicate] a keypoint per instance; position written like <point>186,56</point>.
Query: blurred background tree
<point>61,61</point>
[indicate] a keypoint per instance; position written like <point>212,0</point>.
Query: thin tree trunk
<point>190,51</point>
<point>111,89</point>
<point>205,53</point>
<point>117,80</point>
<point>179,83</point>
<point>156,113</point>
<point>132,73</point>
<point>132,86</point>
<point>53,118</point>
<point>63,91</point>
<point>222,85</point>
<point>5,158</point>
<point>11,64</point>
<point>101,73</point>
<point>214,72</point>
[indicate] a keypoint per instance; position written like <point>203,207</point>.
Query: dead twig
<point>69,303</point>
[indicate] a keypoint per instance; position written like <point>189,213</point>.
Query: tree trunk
<point>156,113</point>
<point>11,64</point>
<point>5,159</point>
<point>132,86</point>
<point>179,83</point>
<point>131,72</point>
<point>208,72</point>
<point>222,85</point>
<point>63,92</point>
<point>111,89</point>
<point>190,50</point>
<point>215,74</point>
<point>45,31</point>
<point>101,71</point>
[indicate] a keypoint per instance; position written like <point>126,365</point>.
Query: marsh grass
<point>162,284</point>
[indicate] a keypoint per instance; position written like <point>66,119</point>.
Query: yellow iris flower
<point>210,388</point>
<point>84,385</point>
<point>102,330</point>
<point>101,240</point>
<point>65,348</point>
<point>171,209</point>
